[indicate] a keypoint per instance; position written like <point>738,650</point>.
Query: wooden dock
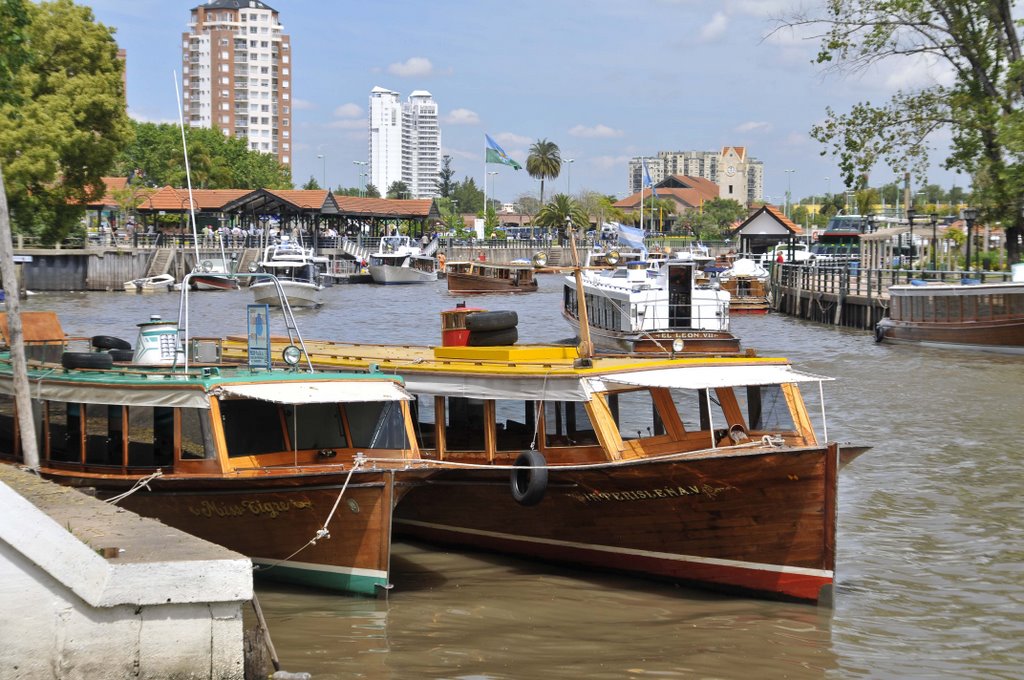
<point>845,295</point>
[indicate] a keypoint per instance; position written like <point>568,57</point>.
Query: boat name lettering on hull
<point>270,509</point>
<point>707,490</point>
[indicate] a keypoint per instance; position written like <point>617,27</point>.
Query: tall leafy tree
<point>544,162</point>
<point>469,196</point>
<point>981,109</point>
<point>215,160</point>
<point>444,177</point>
<point>69,120</point>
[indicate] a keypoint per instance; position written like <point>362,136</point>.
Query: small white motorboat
<point>161,283</point>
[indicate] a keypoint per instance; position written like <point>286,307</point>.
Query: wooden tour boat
<point>701,470</point>
<point>747,284</point>
<point>980,316</point>
<point>271,463</point>
<point>490,277</point>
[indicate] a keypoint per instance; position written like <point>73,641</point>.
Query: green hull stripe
<point>367,583</point>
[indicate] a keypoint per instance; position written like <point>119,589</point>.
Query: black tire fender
<point>121,354</point>
<point>109,342</point>
<point>86,360</point>
<point>879,333</point>
<point>503,336</point>
<point>529,479</point>
<point>492,321</point>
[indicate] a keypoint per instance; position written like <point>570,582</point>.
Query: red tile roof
<point>775,214</point>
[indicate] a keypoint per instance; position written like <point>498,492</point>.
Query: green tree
<point>399,189</point>
<point>63,119</point>
<point>560,212</point>
<point>444,177</point>
<point>544,161</point>
<point>372,191</point>
<point>980,109</point>
<point>14,52</point>
<point>470,198</point>
<point>311,184</point>
<point>215,160</point>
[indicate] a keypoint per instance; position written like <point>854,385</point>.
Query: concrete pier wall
<point>165,605</point>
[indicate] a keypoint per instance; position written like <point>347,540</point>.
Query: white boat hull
<point>386,273</point>
<point>299,294</point>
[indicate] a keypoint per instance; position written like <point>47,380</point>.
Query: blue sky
<point>606,80</point>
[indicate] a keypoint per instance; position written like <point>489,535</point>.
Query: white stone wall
<point>70,613</point>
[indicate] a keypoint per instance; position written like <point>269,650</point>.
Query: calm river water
<point>930,578</point>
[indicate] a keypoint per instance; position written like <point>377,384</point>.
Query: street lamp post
<point>323,157</point>
<point>968,215</point>
<point>935,242</point>
<point>568,176</point>
<point>492,173</point>
<point>789,186</point>
<point>911,214</point>
<point>361,175</point>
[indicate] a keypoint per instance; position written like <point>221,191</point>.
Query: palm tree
<point>545,160</point>
<point>562,210</point>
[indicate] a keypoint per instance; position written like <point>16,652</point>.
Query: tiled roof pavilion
<point>290,205</point>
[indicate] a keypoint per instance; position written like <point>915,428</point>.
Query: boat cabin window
<point>566,423</point>
<point>377,425</point>
<point>8,429</point>
<point>251,427</point>
<point>150,436</point>
<point>315,426</point>
<point>104,434</point>
<point>63,431</point>
<point>514,424</point>
<point>692,406</point>
<point>464,424</point>
<point>636,414</point>
<point>196,438</point>
<point>424,420</point>
<point>765,408</point>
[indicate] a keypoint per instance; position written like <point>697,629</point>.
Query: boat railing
<point>294,336</point>
<point>703,315</point>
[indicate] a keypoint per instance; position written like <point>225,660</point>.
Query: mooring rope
<point>323,531</point>
<point>144,482</point>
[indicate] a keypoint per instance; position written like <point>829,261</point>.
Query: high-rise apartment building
<point>237,74</point>
<point>405,142</point>
<point>738,176</point>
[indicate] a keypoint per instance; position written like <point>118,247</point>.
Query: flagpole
<point>643,169</point>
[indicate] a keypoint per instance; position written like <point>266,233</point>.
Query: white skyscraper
<point>421,144</point>
<point>405,142</point>
<point>385,138</point>
<point>237,74</point>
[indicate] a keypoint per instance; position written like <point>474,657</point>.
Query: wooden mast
<point>586,347</point>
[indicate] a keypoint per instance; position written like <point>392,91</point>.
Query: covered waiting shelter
<point>880,249</point>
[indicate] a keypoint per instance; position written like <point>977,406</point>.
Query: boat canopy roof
<point>706,377</point>
<point>317,392</point>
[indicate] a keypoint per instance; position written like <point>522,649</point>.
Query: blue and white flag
<point>647,179</point>
<point>633,238</point>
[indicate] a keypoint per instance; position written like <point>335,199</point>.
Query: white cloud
<point>462,117</point>
<point>715,28</point>
<point>509,139</point>
<point>348,124</point>
<point>413,67</point>
<point>349,111</point>
<point>302,104</point>
<point>754,126</point>
<point>611,162</point>
<point>595,132</point>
